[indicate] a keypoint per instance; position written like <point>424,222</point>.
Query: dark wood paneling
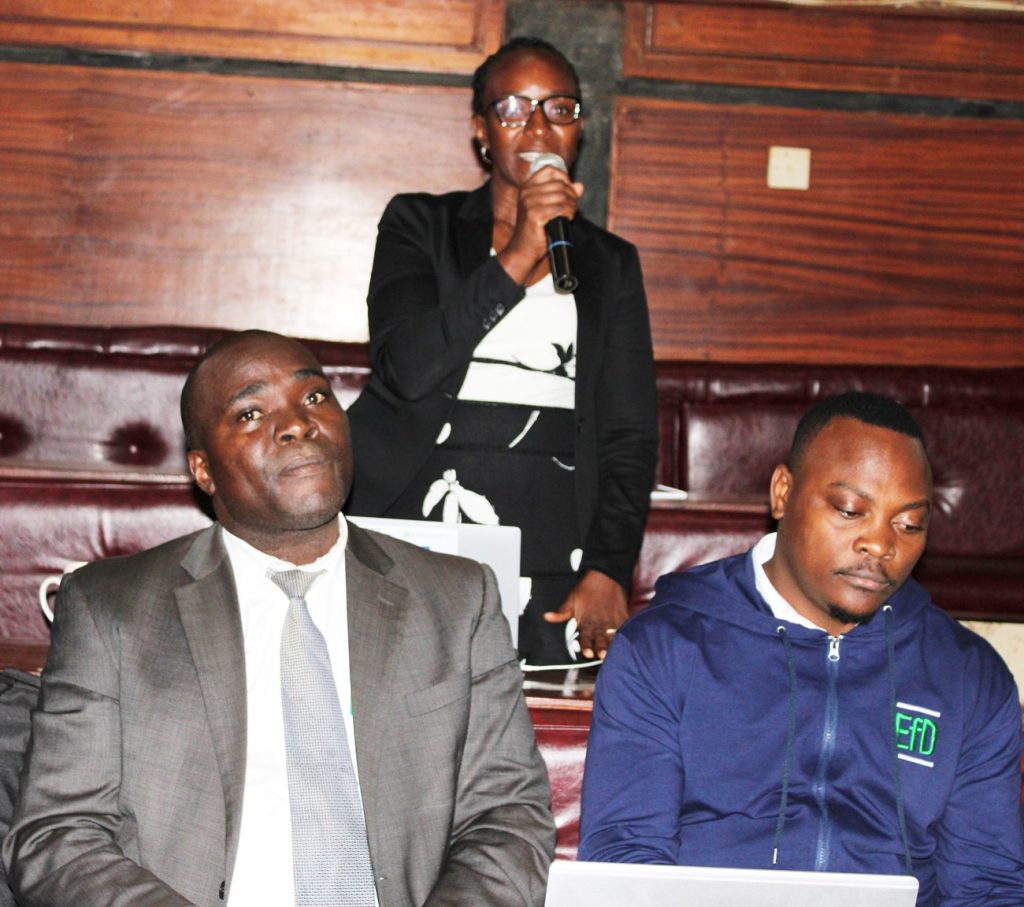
<point>132,197</point>
<point>907,248</point>
<point>829,46</point>
<point>383,34</point>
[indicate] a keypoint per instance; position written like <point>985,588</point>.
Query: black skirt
<point>511,465</point>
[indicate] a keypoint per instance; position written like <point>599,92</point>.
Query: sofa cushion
<point>49,525</point>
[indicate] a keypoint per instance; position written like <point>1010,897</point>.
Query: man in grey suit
<point>157,769</point>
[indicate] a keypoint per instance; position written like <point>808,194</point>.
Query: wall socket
<point>789,168</point>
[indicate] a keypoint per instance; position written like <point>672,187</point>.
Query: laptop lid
<point>581,884</point>
<point>496,546</point>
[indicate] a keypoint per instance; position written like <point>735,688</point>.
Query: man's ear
<point>779,490</point>
<point>199,467</point>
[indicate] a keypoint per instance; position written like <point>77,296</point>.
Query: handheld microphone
<point>559,233</point>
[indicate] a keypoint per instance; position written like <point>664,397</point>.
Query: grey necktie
<point>330,856</point>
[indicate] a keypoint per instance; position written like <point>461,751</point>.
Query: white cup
<point>50,584</point>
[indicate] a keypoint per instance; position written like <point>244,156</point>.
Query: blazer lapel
<point>375,615</point>
<point>588,297</point>
<point>473,226</point>
<point>209,613</point>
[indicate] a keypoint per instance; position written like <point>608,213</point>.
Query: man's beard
<point>845,617</point>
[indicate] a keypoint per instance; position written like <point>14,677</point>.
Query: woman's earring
<point>485,154</point>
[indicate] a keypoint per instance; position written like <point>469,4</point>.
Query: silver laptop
<point>582,884</point>
<point>496,546</point>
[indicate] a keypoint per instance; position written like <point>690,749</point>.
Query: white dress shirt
<point>263,868</point>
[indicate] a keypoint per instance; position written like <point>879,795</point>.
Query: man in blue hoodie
<point>805,705</point>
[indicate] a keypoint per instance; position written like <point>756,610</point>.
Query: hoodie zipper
<point>828,743</point>
<point>833,647</point>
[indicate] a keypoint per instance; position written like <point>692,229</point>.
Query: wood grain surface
<point>900,49</point>
<point>908,246</point>
<point>131,198</point>
<point>383,34</point>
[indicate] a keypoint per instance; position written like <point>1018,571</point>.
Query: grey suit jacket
<point>135,772</point>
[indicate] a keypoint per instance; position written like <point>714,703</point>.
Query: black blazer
<point>435,291</point>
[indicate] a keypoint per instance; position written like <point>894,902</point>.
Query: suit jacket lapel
<point>209,613</point>
<point>375,615</point>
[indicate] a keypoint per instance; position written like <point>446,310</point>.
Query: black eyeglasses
<point>515,110</point>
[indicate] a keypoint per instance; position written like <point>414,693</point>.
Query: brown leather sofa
<point>92,464</point>
<point>725,426</point>
<point>92,459</point>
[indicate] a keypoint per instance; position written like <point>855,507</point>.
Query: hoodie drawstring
<point>890,646</point>
<point>790,740</point>
<point>901,815</point>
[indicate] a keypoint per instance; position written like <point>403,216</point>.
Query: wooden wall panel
<point>384,34</point>
<point>907,248</point>
<point>132,197</point>
<point>828,46</point>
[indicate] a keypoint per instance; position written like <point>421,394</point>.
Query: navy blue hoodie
<point>723,736</point>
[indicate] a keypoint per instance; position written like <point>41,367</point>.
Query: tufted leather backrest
<point>107,398</point>
<point>92,458</point>
<point>724,427</point>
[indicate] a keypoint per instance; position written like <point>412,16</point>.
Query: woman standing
<point>495,399</point>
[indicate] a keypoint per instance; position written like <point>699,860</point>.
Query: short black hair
<point>513,46</point>
<point>873,409</point>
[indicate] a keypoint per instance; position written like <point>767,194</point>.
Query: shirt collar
<point>259,563</point>
<point>760,554</point>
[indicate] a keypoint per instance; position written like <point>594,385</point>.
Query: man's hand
<point>599,605</point>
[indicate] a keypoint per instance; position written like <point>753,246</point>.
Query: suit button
<point>220,894</point>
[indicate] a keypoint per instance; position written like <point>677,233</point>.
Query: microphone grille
<point>547,159</point>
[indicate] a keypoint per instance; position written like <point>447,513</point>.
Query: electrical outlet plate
<point>789,168</point>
